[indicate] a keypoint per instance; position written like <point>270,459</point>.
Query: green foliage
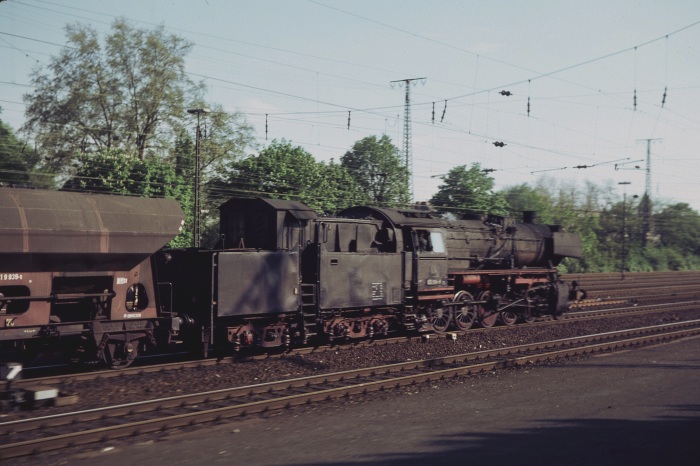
<point>116,109</point>
<point>678,227</point>
<point>377,168</point>
<point>15,161</point>
<point>283,171</point>
<point>522,198</point>
<point>116,172</point>
<point>666,258</point>
<point>339,189</point>
<point>225,138</point>
<point>280,171</point>
<point>468,190</point>
<point>120,94</point>
<point>182,155</point>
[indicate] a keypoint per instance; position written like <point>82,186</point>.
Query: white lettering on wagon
<point>132,316</point>
<point>122,280</point>
<point>6,277</point>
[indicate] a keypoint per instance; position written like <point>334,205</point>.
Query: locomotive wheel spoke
<point>509,318</point>
<point>439,318</point>
<point>465,314</point>
<point>487,317</point>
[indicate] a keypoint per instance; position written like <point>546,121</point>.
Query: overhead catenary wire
<point>512,141</point>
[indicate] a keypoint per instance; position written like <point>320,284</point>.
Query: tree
<point>377,168</point>
<point>468,190</point>
<point>225,138</point>
<point>523,198</point>
<point>280,171</point>
<point>182,155</point>
<point>15,161</point>
<point>116,172</point>
<point>645,211</point>
<point>678,227</point>
<point>122,94</point>
<point>340,189</point>
<point>283,171</point>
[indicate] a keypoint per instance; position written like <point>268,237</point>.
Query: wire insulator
<point>528,105</point>
<point>663,99</point>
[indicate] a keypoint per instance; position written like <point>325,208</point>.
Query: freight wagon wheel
<point>439,318</point>
<point>465,313</point>
<point>487,316</point>
<point>118,354</point>
<point>509,317</point>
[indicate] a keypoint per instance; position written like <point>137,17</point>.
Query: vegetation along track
<point>27,436</point>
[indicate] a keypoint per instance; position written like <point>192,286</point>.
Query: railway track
<point>48,433</point>
<point>606,290</point>
<point>623,309</point>
<point>633,278</point>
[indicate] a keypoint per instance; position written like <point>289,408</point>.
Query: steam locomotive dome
<point>56,223</point>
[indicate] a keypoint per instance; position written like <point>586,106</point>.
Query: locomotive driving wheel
<point>509,317</point>
<point>465,312</point>
<point>487,315</point>
<point>439,318</point>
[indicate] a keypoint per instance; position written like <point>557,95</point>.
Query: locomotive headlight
<point>136,298</point>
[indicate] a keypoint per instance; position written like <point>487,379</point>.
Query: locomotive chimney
<point>529,216</point>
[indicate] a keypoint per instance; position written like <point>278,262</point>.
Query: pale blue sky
<point>306,63</point>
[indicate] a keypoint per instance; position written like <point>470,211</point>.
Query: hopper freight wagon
<point>76,273</point>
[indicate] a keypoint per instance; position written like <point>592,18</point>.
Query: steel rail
<point>283,394</point>
<point>164,367</point>
<point>633,310</point>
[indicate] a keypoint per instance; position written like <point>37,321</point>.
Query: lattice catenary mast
<point>646,214</point>
<point>407,131</point>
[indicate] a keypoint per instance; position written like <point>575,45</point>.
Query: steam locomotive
<point>86,273</point>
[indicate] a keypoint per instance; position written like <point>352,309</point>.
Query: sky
<point>562,84</point>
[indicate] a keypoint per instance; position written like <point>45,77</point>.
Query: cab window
<point>437,242</point>
<point>430,241</point>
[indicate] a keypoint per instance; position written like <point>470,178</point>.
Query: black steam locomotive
<point>87,270</point>
<point>282,275</point>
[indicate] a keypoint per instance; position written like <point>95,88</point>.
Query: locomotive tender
<point>87,271</point>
